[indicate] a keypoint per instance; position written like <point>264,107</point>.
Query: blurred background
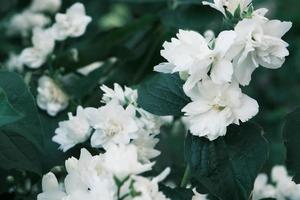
<point>132,33</point>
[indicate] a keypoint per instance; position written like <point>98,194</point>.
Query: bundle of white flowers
<point>119,122</point>
<point>113,175</point>
<point>283,187</point>
<point>213,68</point>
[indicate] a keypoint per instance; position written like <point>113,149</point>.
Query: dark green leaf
<point>7,113</point>
<point>291,131</point>
<point>177,193</point>
<point>228,166</point>
<point>163,95</point>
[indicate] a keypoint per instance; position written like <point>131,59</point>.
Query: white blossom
<point>262,189</point>
<point>23,23</point>
<point>51,6</point>
<point>73,131</point>
<point>123,161</point>
<point>214,107</point>
<point>43,45</point>
<point>14,63</point>
<point>229,5</point>
<point>113,124</point>
<point>71,24</point>
<point>260,42</point>
<point>50,97</point>
<point>51,189</point>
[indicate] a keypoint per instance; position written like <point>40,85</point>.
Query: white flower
<point>45,5</point>
<point>14,63</point>
<point>43,44</point>
<point>51,189</point>
<point>262,189</point>
<point>198,196</point>
<point>145,144</point>
<point>113,124</point>
<point>260,42</point>
<point>191,54</point>
<point>122,161</point>
<point>73,131</point>
<point>214,107</point>
<point>229,5</point>
<point>23,23</point>
<point>50,97</point>
<point>71,24</point>
<point>123,96</point>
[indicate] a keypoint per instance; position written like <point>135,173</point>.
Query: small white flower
<point>145,144</point>
<point>71,24</point>
<point>122,161</point>
<point>45,5</point>
<point>43,45</point>
<point>73,131</point>
<point>260,42</point>
<point>14,63</point>
<point>229,5</point>
<point>51,189</point>
<point>26,21</point>
<point>198,196</point>
<point>50,97</point>
<point>113,124</point>
<point>262,189</point>
<point>214,107</point>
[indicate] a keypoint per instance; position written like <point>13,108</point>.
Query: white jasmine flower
<point>191,54</point>
<point>71,24</point>
<point>261,44</point>
<point>124,96</point>
<point>43,44</point>
<point>24,23</point>
<point>73,131</point>
<point>214,107</point>
<point>14,63</point>
<point>122,161</point>
<point>262,189</point>
<point>50,97</point>
<point>113,124</point>
<point>51,6</point>
<point>229,5</point>
<point>51,189</point>
<point>145,144</point>
<point>198,196</point>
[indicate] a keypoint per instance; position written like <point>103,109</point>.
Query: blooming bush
<point>148,100</point>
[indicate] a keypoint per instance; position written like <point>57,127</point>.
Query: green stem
<point>186,177</point>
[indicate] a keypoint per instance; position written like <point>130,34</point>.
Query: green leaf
<point>228,166</point>
<point>163,95</point>
<point>7,113</point>
<point>291,132</point>
<point>177,193</point>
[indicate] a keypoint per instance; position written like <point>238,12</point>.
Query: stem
<point>186,177</point>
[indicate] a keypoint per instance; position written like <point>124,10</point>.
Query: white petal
<point>244,70</point>
<point>164,68</point>
<point>222,72</point>
<point>224,41</point>
<point>247,109</point>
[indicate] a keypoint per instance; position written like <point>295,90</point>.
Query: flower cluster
<point>214,68</point>
<point>283,187</point>
<point>119,122</point>
<point>113,175</point>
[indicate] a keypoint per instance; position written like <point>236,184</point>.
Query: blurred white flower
<point>51,189</point>
<point>260,43</point>
<point>14,63</point>
<point>214,107</point>
<point>43,45</point>
<point>229,5</point>
<point>51,6</point>
<point>191,54</point>
<point>73,131</point>
<point>145,144</point>
<point>122,161</point>
<point>50,97</point>
<point>113,124</point>
<point>262,189</point>
<point>71,24</point>
<point>198,196</point>
<point>25,22</point>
